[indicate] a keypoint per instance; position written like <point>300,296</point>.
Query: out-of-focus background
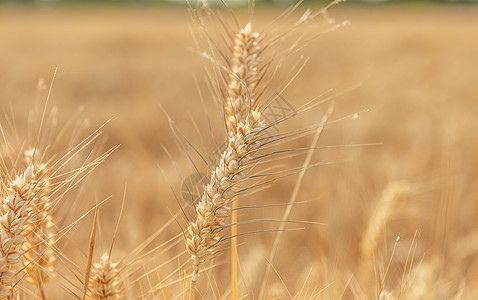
<point>416,63</point>
<point>234,2</point>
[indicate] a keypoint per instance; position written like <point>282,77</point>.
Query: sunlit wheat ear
<point>105,280</point>
<point>15,217</point>
<point>213,208</point>
<point>39,256</point>
<point>379,218</point>
<point>241,96</point>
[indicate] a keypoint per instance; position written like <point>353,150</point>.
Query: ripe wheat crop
<point>252,177</point>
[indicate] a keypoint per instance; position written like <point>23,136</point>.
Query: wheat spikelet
<point>243,77</point>
<point>213,207</point>
<point>104,280</point>
<point>15,215</point>
<point>39,256</point>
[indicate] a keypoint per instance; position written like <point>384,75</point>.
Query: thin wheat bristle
<point>105,280</point>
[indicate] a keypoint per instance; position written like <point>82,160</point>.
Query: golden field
<point>414,68</point>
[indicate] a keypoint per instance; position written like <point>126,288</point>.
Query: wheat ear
<point>39,256</point>
<point>241,98</point>
<point>15,215</point>
<point>380,216</point>
<point>105,280</point>
<point>243,124</point>
<point>214,207</point>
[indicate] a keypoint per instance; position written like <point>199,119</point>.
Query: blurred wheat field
<point>417,67</point>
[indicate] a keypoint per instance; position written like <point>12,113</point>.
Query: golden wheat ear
<point>104,280</point>
<point>214,206</point>
<point>239,88</point>
<point>379,218</point>
<point>17,203</point>
<point>245,128</point>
